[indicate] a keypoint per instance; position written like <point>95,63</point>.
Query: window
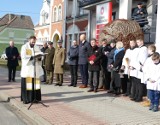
<point>70,40</point>
<point>55,14</point>
<point>59,13</point>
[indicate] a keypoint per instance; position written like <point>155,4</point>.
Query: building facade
<point>51,22</point>
<point>68,19</point>
<point>15,27</point>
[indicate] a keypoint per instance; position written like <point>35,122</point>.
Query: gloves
<point>61,66</point>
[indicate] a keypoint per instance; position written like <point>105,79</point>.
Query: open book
<point>39,54</point>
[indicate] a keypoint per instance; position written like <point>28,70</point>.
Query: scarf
<point>117,51</point>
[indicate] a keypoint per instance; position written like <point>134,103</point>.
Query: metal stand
<point>34,85</point>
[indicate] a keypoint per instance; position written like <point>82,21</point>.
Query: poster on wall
<point>103,16</point>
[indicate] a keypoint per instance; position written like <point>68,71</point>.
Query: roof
<point>16,21</point>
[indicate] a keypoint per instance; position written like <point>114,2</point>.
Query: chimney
<point>11,16</point>
<point>22,17</point>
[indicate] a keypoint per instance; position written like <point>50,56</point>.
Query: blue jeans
<point>154,97</point>
<point>84,73</point>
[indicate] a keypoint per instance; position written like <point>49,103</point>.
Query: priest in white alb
<point>31,71</point>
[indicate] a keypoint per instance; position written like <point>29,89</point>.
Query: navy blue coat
<point>73,55</point>
<point>83,53</point>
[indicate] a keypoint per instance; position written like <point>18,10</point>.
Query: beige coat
<point>58,61</point>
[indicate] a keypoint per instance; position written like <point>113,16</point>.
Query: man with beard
<point>31,71</point>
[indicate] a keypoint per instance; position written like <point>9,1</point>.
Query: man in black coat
<point>105,82</point>
<point>94,56</point>
<point>12,61</point>
<point>84,47</point>
<point>73,62</point>
<point>140,15</point>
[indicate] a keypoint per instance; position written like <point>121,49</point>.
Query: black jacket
<point>12,52</point>
<point>97,52</point>
<point>73,55</point>
<point>118,60</point>
<point>140,18</point>
<point>104,60</point>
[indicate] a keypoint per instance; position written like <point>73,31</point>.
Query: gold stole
<point>29,79</point>
<point>29,83</point>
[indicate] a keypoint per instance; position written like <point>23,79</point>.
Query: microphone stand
<point>34,84</point>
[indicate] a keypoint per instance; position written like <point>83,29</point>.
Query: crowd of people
<point>132,72</point>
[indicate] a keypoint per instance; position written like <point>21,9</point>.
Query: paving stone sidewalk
<point>75,106</point>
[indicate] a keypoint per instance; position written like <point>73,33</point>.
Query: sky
<point>22,7</point>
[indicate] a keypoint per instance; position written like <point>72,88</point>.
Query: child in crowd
<point>153,82</point>
<point>151,51</point>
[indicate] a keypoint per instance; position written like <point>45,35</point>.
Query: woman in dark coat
<point>73,63</point>
<point>94,56</point>
<point>118,57</point>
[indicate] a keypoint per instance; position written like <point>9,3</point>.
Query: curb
<point>33,116</point>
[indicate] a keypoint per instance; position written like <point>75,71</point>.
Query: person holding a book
<point>94,56</point>
<point>31,71</point>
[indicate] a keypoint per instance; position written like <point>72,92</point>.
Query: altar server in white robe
<point>139,63</point>
<point>31,71</point>
<point>153,81</point>
<point>146,68</point>
<point>128,79</point>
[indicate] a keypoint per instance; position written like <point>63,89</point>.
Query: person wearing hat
<point>58,62</point>
<point>48,62</point>
<point>140,15</point>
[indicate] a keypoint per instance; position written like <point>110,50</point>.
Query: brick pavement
<point>75,106</point>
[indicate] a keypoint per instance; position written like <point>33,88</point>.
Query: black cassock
<point>27,96</point>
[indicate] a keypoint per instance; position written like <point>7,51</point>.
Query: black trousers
<point>124,83</point>
<point>105,78</point>
<point>84,73</point>
<point>129,85</point>
<point>11,72</point>
<point>44,77</point>
<point>134,86</point>
<point>94,79</point>
<point>73,71</point>
<point>140,90</point>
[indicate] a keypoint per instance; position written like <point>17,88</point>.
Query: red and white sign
<point>103,16</point>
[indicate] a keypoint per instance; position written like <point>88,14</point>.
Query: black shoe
<point>126,94</point>
<point>151,107</point>
<point>95,90</point>
<point>70,85</point>
<point>133,99</point>
<point>90,90</point>
<point>155,108</point>
<point>74,85</point>
<point>110,91</point>
<point>57,84</point>
<point>13,80</point>
<point>60,84</point>
<point>43,81</point>
<point>9,80</point>
<point>138,100</point>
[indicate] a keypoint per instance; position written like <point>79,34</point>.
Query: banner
<point>103,16</point>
